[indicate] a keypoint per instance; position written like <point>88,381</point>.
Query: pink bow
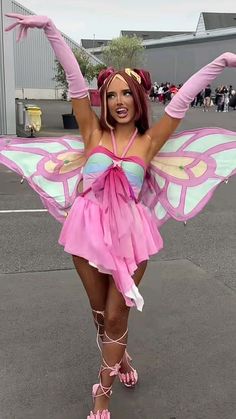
<point>113,191</point>
<point>115,370</point>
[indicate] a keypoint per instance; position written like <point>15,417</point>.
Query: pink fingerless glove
<point>76,82</point>
<point>179,105</point>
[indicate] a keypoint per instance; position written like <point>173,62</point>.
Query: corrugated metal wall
<point>7,88</point>
<point>176,63</point>
<point>34,57</point>
<point>2,79</point>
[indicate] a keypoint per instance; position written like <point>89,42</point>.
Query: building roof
<point>97,43</point>
<point>94,43</point>
<point>219,20</point>
<point>152,34</point>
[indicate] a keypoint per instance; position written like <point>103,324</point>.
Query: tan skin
<point>100,288</point>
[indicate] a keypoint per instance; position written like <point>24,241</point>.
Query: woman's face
<point>120,102</point>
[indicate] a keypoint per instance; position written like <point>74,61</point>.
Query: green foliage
<point>123,52</point>
<point>88,70</point>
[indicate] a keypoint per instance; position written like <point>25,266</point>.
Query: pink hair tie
<point>103,75</point>
<point>145,78</point>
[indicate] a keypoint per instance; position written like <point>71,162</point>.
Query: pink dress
<point>107,225</point>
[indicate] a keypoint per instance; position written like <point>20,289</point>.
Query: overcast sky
<point>105,18</point>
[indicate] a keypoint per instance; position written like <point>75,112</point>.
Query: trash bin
<point>94,97</point>
<point>69,121</point>
<point>32,118</point>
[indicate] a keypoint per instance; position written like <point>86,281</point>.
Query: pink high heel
<point>129,379</point>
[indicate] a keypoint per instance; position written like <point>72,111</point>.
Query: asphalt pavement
<point>183,344</point>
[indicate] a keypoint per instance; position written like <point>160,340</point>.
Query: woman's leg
<point>96,285</point>
<point>125,366</point>
<point>115,337</point>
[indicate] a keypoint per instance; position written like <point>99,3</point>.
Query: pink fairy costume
<point>107,225</point>
<point>114,222</point>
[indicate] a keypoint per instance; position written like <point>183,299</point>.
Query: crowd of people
<point>223,97</point>
<point>164,92</point>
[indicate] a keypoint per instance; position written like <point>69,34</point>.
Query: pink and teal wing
<point>184,174</point>
<point>52,167</point>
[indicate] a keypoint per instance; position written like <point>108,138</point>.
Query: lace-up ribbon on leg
<point>128,379</point>
<point>114,371</point>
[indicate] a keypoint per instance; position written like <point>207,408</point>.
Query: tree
<point>123,52</point>
<point>88,70</point>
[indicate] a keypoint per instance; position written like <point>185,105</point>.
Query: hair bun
<point>102,76</point>
<point>145,78</point>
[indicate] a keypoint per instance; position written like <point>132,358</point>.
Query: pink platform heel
<point>129,379</point>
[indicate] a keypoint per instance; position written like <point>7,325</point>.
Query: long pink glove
<point>179,105</point>
<point>77,86</point>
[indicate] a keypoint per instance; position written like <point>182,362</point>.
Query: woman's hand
<point>86,117</point>
<point>24,22</point>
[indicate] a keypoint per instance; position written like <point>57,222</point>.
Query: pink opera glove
<point>179,105</point>
<point>77,86</point>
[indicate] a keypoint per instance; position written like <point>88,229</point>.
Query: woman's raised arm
<point>78,90</point>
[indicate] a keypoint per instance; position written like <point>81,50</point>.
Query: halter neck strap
<point>131,140</point>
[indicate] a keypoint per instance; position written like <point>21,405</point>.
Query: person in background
<point>207,98</point>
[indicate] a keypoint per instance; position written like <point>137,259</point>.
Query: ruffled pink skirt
<point>84,234</point>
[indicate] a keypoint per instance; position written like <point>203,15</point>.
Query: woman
<point>118,232</point>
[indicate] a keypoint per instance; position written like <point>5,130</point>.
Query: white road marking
<point>26,210</point>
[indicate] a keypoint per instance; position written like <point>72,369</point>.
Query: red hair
<point>138,91</point>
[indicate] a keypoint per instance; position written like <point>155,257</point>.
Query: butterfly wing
<point>187,170</point>
<point>52,167</point>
